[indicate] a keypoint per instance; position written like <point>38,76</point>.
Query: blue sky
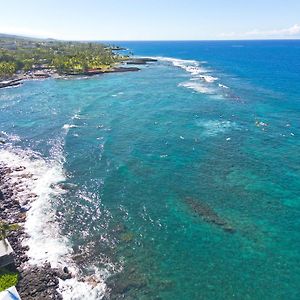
<point>152,20</point>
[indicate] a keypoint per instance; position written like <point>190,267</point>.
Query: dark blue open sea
<point>180,181</point>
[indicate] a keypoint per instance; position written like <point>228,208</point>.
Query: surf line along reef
<point>23,58</point>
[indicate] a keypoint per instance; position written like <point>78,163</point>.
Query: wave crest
<point>201,81</point>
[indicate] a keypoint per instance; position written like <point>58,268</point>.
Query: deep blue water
<point>157,161</point>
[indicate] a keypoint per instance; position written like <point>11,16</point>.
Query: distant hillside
<point>11,36</point>
<point>22,37</point>
<point>18,37</point>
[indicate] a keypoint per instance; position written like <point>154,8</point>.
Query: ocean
<point>180,181</point>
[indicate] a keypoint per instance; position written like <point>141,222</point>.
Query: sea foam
<point>72,289</point>
<point>44,240</point>
<point>201,80</point>
<point>191,66</point>
<point>197,86</point>
<point>9,137</point>
<point>215,127</point>
<point>38,180</point>
<point>68,126</point>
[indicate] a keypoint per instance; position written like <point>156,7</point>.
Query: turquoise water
<point>135,147</point>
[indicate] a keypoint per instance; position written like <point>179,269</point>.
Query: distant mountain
<point>21,37</point>
<point>12,36</point>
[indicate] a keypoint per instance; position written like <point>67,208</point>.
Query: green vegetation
<point>7,68</point>
<point>5,228</point>
<point>23,55</point>
<point>7,279</point>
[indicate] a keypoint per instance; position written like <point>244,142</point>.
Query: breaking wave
<point>37,184</point>
<point>197,86</point>
<point>201,80</point>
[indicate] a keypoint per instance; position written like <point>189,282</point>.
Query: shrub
<point>7,279</point>
<point>5,228</point>
<point>7,69</point>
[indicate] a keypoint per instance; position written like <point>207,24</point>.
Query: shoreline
<point>17,79</point>
<point>35,282</point>
<point>38,281</point>
<point>24,180</point>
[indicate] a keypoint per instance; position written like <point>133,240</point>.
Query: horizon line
<point>148,40</point>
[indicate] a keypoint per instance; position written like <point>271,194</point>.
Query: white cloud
<point>279,33</point>
<point>294,30</point>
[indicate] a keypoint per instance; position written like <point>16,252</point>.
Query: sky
<point>152,19</point>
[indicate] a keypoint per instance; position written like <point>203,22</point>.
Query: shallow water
<point>219,125</point>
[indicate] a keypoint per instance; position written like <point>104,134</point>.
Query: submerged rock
<point>121,284</point>
<point>127,237</point>
<point>122,70</point>
<point>120,228</point>
<point>140,61</point>
<point>207,214</point>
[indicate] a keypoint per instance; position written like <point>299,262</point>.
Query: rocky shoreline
<point>49,73</point>
<point>140,61</point>
<point>44,73</point>
<point>35,282</point>
<point>13,82</point>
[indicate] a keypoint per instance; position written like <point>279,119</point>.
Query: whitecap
<point>215,127</point>
<point>191,66</point>
<point>76,116</point>
<point>197,72</point>
<point>198,87</point>
<point>68,126</point>
<point>223,86</point>
<point>10,137</point>
<point>94,287</point>
<point>208,78</point>
<point>72,289</point>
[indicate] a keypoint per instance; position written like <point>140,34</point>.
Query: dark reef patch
<point>207,214</point>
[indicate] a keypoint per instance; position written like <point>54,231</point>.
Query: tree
<point>5,228</point>
<point>7,69</point>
